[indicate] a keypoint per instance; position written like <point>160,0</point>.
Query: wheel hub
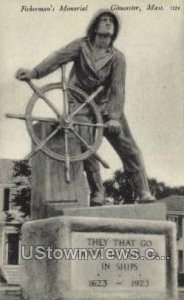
<point>66,123</point>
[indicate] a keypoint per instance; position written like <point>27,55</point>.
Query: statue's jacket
<point>88,74</point>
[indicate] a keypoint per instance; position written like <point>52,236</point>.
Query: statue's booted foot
<point>145,198</point>
<point>97,200</point>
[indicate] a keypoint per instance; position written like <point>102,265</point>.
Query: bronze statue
<point>96,63</point>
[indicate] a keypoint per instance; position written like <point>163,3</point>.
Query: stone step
<point>12,274</point>
<point>10,293</point>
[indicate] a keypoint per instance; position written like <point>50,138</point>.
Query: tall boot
<point>96,188</point>
<point>142,188</point>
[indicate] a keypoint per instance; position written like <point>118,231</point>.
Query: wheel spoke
<point>80,138</point>
<point>97,156</point>
<point>44,98</point>
<point>102,161</point>
<point>65,95</point>
<point>42,144</point>
<point>31,118</point>
<point>51,120</point>
<point>87,101</point>
<point>67,158</point>
<point>98,125</point>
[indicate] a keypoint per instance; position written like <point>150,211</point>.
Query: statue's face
<point>105,25</point>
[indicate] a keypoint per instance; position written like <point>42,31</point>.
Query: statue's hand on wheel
<point>24,74</point>
<point>113,126</point>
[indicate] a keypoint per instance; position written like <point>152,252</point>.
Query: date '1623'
<point>98,283</point>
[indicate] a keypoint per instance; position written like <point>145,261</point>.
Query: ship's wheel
<point>66,121</point>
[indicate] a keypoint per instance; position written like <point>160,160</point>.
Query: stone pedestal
<point>60,264</point>
<point>155,211</point>
<point>77,252</point>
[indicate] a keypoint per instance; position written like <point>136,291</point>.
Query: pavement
<point>13,293</point>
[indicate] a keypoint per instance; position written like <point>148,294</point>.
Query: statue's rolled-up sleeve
<point>116,101</point>
<point>57,58</point>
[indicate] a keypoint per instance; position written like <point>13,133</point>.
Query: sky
<point>152,42</point>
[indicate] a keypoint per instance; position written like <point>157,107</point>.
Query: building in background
<point>9,230</point>
<point>175,213</point>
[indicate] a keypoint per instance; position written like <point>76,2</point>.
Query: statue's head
<point>104,22</point>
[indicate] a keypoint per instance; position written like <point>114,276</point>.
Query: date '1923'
<point>140,283</point>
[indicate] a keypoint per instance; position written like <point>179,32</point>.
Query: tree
<point>21,197</point>
<point>121,189</point>
<point>161,190</point>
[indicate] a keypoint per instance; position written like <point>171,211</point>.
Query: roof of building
<point>174,203</point>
